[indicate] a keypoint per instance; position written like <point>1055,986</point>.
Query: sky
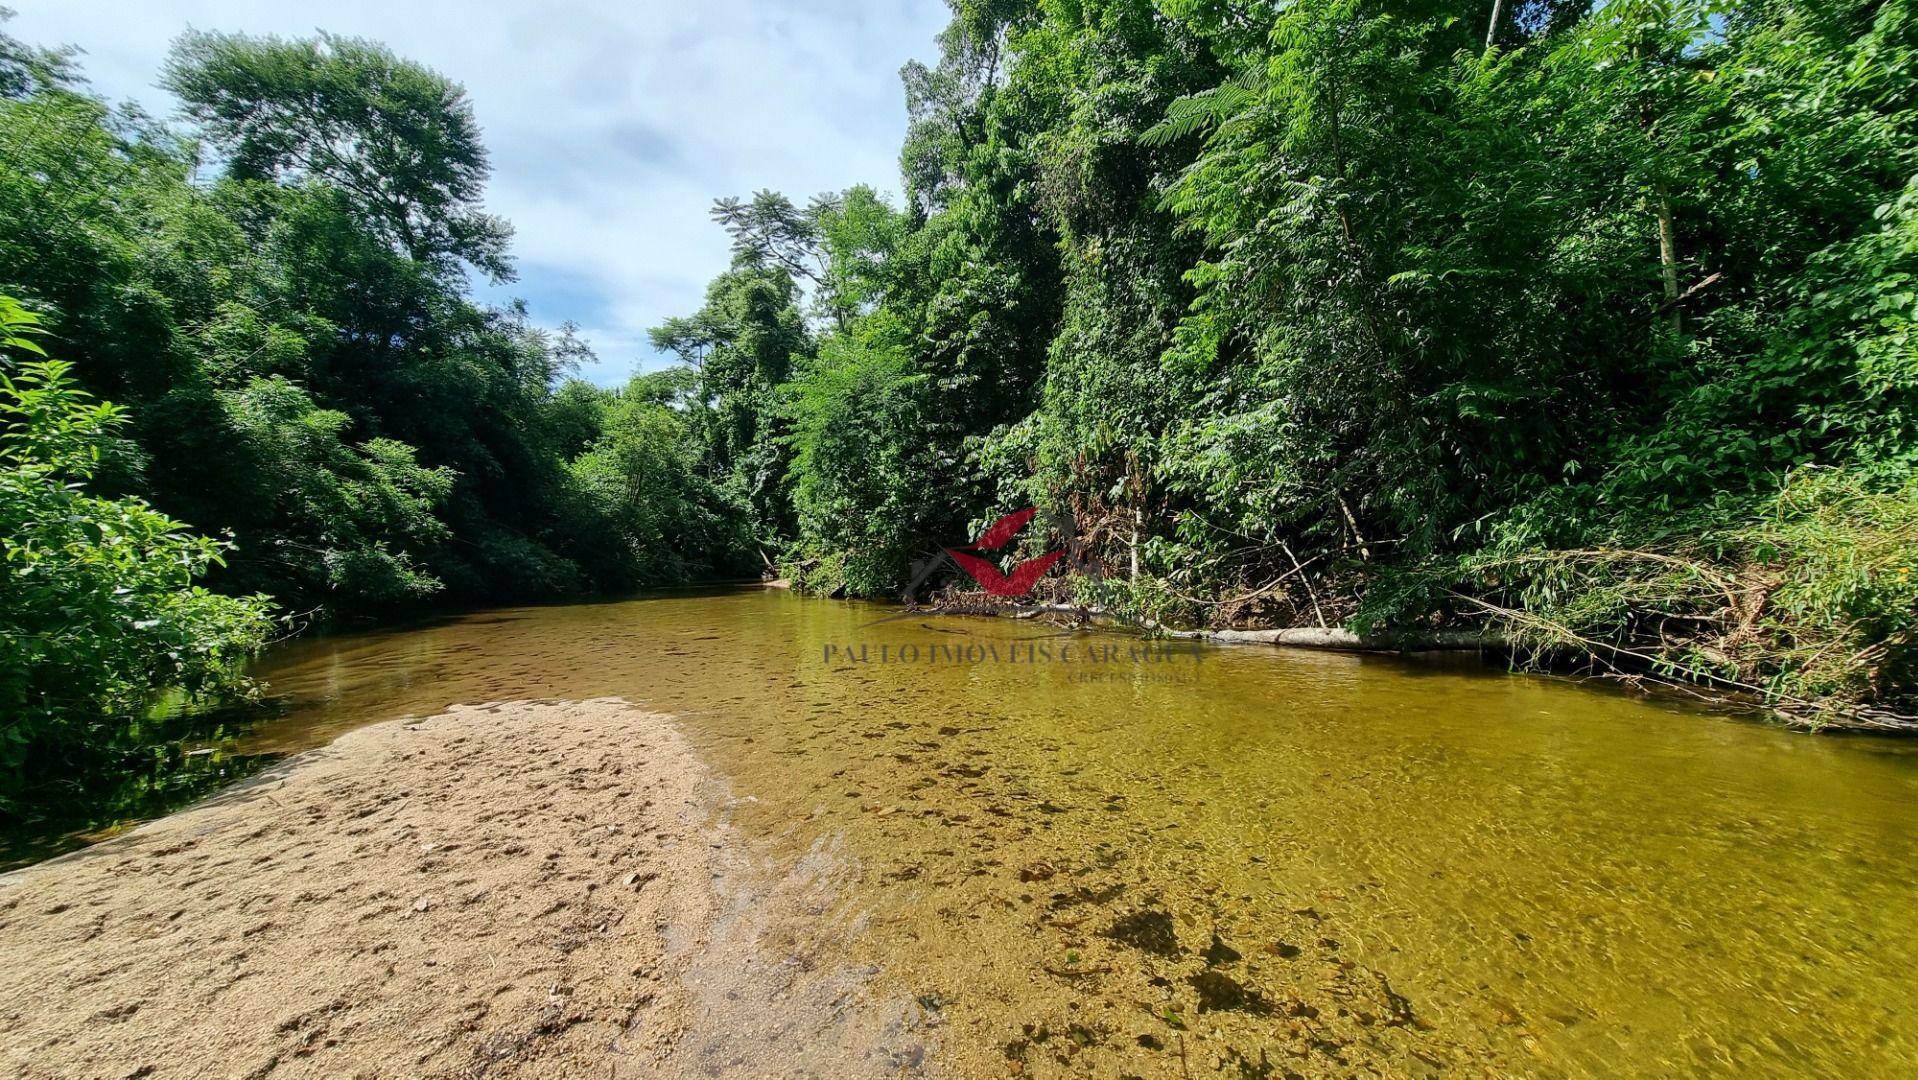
<point>612,124</point>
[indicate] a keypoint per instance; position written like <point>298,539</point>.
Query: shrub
<point>99,610</point>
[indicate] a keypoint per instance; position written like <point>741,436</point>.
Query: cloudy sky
<point>612,123</point>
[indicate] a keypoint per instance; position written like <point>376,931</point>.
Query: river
<point>1083,853</point>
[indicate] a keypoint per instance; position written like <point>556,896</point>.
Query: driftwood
<point>1621,661</point>
<point>1333,637</point>
<point>1632,667</point>
<point>1301,637</point>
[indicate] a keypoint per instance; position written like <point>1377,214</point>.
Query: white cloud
<point>612,125</point>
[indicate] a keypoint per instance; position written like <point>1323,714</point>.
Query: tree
<point>865,481</point>
<point>647,496</point>
<point>397,139</point>
<point>292,372</point>
<point>771,231</point>
<point>744,343</point>
<point>26,71</point>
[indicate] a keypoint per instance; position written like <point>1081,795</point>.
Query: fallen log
<point>1333,637</point>
<point>1302,637</point>
<point>1613,661</point>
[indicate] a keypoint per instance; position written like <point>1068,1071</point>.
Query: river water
<point>1081,854</point>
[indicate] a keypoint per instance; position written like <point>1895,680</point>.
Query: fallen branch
<point>1796,710</point>
<point>1303,637</point>
<point>1799,712</point>
<point>1334,637</point>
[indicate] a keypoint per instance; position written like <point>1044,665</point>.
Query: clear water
<point>1256,860</point>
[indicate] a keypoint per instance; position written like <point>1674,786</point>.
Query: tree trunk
<point>1352,523</point>
<point>1491,29</point>
<point>1662,207</point>
<point>1668,257</point>
<point>1137,518</point>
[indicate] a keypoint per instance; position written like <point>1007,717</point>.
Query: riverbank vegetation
<point>101,605</point>
<point>1590,326</point>
<point>273,391</point>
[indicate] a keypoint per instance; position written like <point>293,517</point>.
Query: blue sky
<point>612,125</point>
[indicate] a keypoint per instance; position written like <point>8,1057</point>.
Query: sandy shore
<point>528,889</point>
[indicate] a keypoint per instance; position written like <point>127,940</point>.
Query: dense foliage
<point>1590,323</point>
<point>1593,321</point>
<point>291,337</point>
<point>275,301</point>
<point>98,604</point>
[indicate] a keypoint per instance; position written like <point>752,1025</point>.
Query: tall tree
<point>398,139</point>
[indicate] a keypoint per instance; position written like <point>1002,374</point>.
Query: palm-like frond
<point>1208,109</point>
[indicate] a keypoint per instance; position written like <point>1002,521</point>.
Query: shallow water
<point>1256,860</point>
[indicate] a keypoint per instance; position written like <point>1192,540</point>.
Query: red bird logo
<point>1023,577</point>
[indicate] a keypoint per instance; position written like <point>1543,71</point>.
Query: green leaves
<point>1212,110</point>
<point>291,342</point>
<point>1312,304</point>
<point>16,322</point>
<point>98,606</point>
<point>398,140</point>
<point>866,485</point>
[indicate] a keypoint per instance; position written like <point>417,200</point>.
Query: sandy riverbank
<point>528,889</point>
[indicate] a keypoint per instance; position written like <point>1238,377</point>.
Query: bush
<point>99,611</point>
<point>1838,557</point>
<point>865,489</point>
